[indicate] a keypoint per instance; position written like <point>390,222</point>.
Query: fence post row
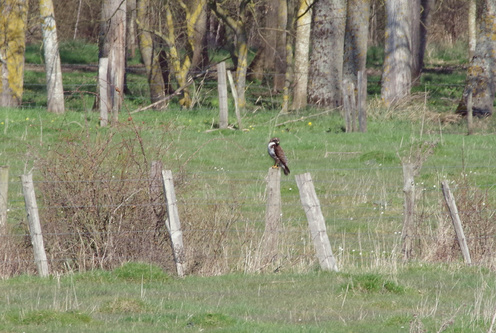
<point>34,225</point>
<point>316,222</point>
<point>457,223</point>
<point>173,224</point>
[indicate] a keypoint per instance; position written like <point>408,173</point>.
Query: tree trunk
<point>302,50</point>
<point>280,56</point>
<point>241,47</point>
<point>113,47</point>
<point>356,39</point>
<point>55,89</point>
<point>326,61</point>
<point>415,40</point>
<point>149,54</point>
<point>200,50</point>
<point>425,23</point>
<point>396,74</point>
<point>131,28</point>
<point>13,19</point>
<point>472,28</point>
<point>482,69</point>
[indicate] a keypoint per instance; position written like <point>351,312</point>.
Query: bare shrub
<point>476,212</point>
<point>97,210</point>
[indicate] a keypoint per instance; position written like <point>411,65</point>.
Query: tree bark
<point>302,50</point>
<point>396,74</point>
<point>53,71</point>
<point>415,40</point>
<point>326,61</point>
<point>113,47</point>
<point>356,39</point>
<point>13,20</point>
<point>472,28</point>
<point>482,69</point>
<point>280,56</point>
<point>149,54</point>
<point>425,24</point>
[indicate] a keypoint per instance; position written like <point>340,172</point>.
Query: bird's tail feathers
<point>285,169</point>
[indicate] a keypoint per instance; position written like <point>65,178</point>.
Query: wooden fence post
<point>34,224</point>
<point>222,87</point>
<point>362,100</point>
<point>173,224</point>
<point>408,209</point>
<point>4,189</point>
<point>349,104</point>
<point>470,114</point>
<point>457,223</point>
<point>235,97</point>
<point>316,222</point>
<point>272,216</point>
<point>103,91</point>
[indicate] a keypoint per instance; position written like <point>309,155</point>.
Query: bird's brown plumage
<point>276,152</point>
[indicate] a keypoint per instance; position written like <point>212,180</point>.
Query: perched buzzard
<point>276,152</point>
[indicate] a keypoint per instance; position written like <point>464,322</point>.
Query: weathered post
<point>34,224</point>
<point>470,114</point>
<point>316,222</point>
<point>103,91</point>
<point>272,216</point>
<point>408,209</point>
<point>222,87</point>
<point>457,223</point>
<point>362,100</point>
<point>235,97</point>
<point>173,224</point>
<point>4,188</point>
<point>349,105</point>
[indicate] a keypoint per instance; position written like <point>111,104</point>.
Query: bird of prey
<point>276,152</point>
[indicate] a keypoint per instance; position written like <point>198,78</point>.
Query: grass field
<point>140,298</point>
<point>220,184</point>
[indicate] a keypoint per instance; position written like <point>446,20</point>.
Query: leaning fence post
<point>222,87</point>
<point>235,97</point>
<point>272,215</point>
<point>457,223</point>
<point>408,209</point>
<point>4,189</point>
<point>103,91</point>
<point>316,222</point>
<point>34,224</point>
<point>173,224</point>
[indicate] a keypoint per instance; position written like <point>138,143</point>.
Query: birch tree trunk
<point>356,38</point>
<point>397,74</point>
<point>302,50</point>
<point>482,69</point>
<point>13,20</point>
<point>472,28</point>
<point>113,47</point>
<point>326,60</point>
<point>53,71</point>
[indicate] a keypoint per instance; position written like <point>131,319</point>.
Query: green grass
<point>220,184</point>
<point>98,301</point>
